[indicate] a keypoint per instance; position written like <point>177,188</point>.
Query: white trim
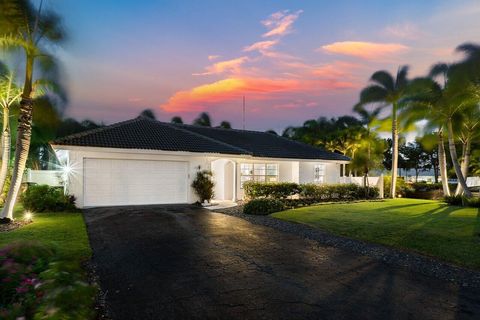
<point>186,153</point>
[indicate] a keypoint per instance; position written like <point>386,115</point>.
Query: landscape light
<point>28,216</point>
<point>67,169</point>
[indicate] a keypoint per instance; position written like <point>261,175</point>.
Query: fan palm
<point>31,30</point>
<point>388,91</point>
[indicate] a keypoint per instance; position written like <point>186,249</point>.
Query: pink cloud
<point>280,23</point>
<point>231,66</point>
<point>366,50</point>
<point>261,46</point>
<point>213,57</point>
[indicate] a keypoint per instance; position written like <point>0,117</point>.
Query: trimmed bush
<point>203,185</point>
<point>263,206</point>
<point>274,190</point>
<point>40,198</point>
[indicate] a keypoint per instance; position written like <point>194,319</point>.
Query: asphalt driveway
<point>183,262</point>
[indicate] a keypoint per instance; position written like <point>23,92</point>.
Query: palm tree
<point>33,31</point>
<point>177,120</point>
<point>9,94</point>
<point>388,91</point>
<point>203,120</point>
<point>445,105</point>
<point>225,125</point>
<point>148,113</point>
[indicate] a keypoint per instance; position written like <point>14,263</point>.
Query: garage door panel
<point>130,182</point>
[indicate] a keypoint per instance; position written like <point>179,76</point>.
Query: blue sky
<point>293,60</point>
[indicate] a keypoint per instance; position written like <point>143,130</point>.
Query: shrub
<point>40,198</point>
<point>336,192</point>
<point>275,190</point>
<point>203,185</point>
<point>462,201</point>
<point>36,286</point>
<point>402,188</point>
<point>263,206</point>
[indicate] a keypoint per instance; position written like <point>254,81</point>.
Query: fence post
<point>380,186</point>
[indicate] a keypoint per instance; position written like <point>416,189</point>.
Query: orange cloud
<point>336,69</point>
<point>280,23</point>
<point>232,66</point>
<point>231,89</point>
<point>366,50</point>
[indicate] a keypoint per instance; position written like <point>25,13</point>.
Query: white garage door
<point>111,182</point>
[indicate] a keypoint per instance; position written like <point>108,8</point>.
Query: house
<point>144,161</point>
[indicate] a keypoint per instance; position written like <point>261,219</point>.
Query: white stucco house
<point>144,161</point>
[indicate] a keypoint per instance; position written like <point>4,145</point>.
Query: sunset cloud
<point>232,89</point>
<point>213,57</point>
<point>261,46</point>
<point>365,50</point>
<point>231,66</point>
<point>280,23</point>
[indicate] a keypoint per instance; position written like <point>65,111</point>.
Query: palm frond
<point>402,79</point>
<point>373,94</point>
<point>384,79</point>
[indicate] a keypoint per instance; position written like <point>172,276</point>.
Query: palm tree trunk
<point>465,163</point>
<point>22,144</point>
<point>456,165</point>
<point>6,146</point>
<point>394,151</point>
<point>442,163</point>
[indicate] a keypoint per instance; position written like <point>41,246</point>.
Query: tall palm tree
<point>33,30</point>
<point>203,120</point>
<point>9,94</point>
<point>445,104</point>
<point>388,91</point>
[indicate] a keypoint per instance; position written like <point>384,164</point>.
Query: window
<point>260,172</point>
<point>319,173</point>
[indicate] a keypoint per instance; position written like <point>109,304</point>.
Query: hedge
<point>263,206</point>
<point>40,198</point>
<point>311,192</point>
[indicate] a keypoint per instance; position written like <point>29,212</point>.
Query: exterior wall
<point>332,172</point>
<point>75,159</point>
<point>289,170</point>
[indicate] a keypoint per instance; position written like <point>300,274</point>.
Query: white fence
<point>372,182</point>
<point>52,178</point>
<point>473,181</point>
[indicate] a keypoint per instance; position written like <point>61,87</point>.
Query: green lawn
<point>64,231</point>
<point>430,227</point>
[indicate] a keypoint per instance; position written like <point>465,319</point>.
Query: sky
<point>292,60</point>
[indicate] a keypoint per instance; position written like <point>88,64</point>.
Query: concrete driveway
<point>183,262</point>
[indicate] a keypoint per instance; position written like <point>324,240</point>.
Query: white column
<point>234,181</point>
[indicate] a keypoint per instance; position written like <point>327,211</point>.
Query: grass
<point>65,232</point>
<point>429,227</point>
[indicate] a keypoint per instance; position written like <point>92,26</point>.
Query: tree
<point>177,120</point>
<point>271,131</point>
<point>34,31</point>
<point>203,120</point>
<point>388,91</point>
<point>414,157</point>
<point>9,94</point>
<point>225,125</point>
<point>148,113</point>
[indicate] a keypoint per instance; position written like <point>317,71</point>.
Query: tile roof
<point>145,133</point>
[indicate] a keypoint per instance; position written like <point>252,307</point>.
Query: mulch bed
<point>5,227</point>
<point>401,258</point>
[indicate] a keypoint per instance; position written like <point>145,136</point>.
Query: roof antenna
<point>243,112</point>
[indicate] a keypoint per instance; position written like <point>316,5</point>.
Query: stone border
<point>410,260</point>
